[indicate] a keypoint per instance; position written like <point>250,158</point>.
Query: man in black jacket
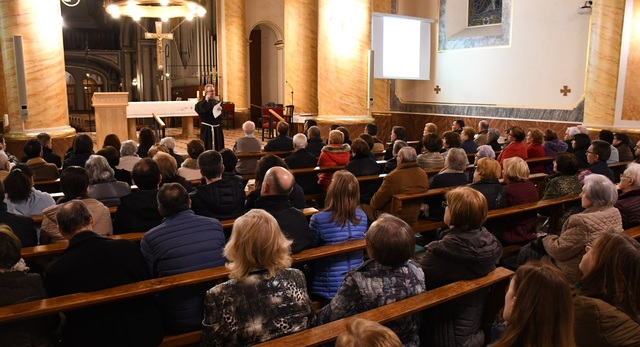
<point>138,211</point>
<point>274,198</point>
<point>302,158</point>
<point>92,262</point>
<point>220,198</point>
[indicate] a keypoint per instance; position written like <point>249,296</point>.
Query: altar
<point>162,109</point>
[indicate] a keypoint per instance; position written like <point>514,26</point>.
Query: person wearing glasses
<point>629,200</point>
<point>597,155</point>
<point>606,303</point>
<point>516,146</point>
<point>466,250</point>
<point>209,110</point>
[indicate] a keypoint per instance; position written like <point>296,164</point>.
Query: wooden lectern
<point>111,115</point>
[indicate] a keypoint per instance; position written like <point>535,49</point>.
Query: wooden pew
<point>57,248</point>
<point>498,280</point>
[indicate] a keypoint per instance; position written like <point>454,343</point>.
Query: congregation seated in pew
<point>361,164</point>
<point>336,153</point>
<point>629,199</point>
<point>92,263</point>
<point>453,174</point>
<point>169,170</point>
<point>229,160</point>
<point>128,155</point>
<point>519,190</point>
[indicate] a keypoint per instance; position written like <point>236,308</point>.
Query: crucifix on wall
<point>159,35</point>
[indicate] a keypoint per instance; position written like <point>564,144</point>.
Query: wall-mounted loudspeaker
<point>21,78</point>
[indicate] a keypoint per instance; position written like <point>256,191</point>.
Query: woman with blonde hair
<point>264,298</point>
<point>466,250</point>
<point>606,300</point>
<point>362,332</point>
<point>538,310</point>
<point>535,149</point>
<point>519,191</point>
<point>341,220</point>
<point>169,170</point>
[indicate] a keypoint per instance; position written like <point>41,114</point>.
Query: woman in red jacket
<point>516,147</point>
<point>336,153</point>
<point>534,148</point>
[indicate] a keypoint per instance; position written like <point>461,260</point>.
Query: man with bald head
<point>274,198</point>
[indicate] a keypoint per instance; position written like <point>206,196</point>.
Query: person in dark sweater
<point>218,198</point>
<point>278,183</point>
<point>302,158</point>
<point>314,141</point>
<point>361,164</point>
<point>397,133</point>
<point>138,211</point>
<point>597,156</point>
<point>282,142</point>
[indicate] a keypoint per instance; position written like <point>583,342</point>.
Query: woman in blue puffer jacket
<point>341,220</point>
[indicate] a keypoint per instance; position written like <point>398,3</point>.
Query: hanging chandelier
<point>163,9</point>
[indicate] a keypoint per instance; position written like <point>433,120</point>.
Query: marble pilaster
<point>235,47</point>
<point>301,54</point>
<point>39,24</point>
<point>603,62</point>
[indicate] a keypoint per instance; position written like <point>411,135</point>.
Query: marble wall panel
<point>631,101</point>
<point>235,51</point>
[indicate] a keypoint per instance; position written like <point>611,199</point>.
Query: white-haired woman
<point>629,200</point>
<point>103,185</point>
<point>264,297</point>
<point>565,250</point>
<point>128,155</point>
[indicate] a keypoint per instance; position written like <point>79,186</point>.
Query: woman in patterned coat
<point>389,276</point>
<point>264,299</point>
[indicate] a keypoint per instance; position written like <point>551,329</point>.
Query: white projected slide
<point>401,46</point>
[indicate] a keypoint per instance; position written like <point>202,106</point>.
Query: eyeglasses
<point>589,152</point>
<point>445,204</point>
<point>624,176</point>
<point>588,247</point>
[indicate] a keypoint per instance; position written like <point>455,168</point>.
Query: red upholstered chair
<point>269,122</point>
<point>230,109</point>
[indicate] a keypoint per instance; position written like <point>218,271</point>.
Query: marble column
<point>344,39</point>
<point>381,86</point>
<point>234,52</point>
<point>604,62</point>
<point>301,54</point>
<point>39,24</point>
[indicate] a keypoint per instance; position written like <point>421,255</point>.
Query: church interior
<point>71,68</point>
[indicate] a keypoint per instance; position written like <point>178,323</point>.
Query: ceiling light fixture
<point>163,9</point>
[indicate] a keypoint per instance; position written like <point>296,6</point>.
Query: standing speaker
<point>21,78</point>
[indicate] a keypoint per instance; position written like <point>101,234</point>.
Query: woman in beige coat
<point>599,195</point>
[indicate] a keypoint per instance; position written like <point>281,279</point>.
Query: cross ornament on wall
<point>565,90</point>
<point>159,35</point>
<point>437,89</point>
